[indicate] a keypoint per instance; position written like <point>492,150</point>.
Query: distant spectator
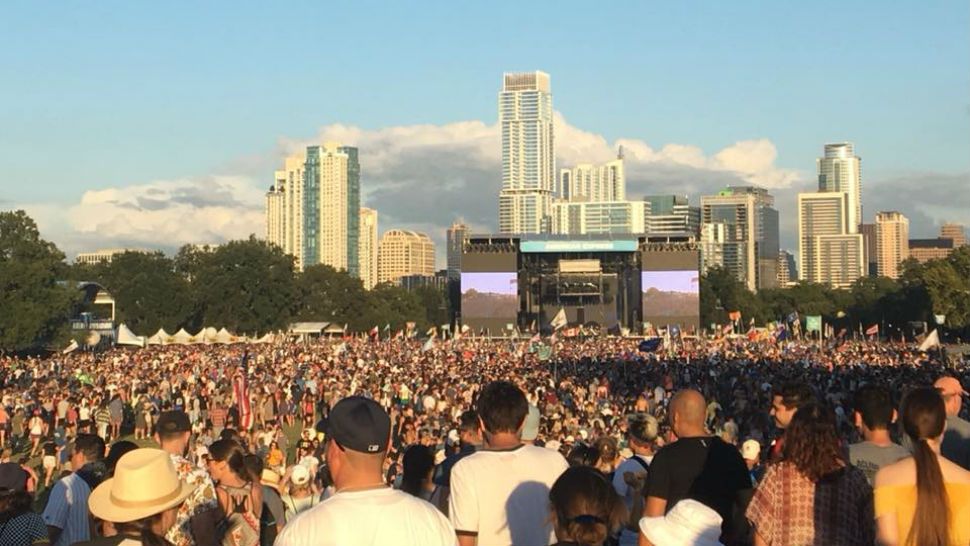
<point>19,525</point>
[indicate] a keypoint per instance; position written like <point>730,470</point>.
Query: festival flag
<point>374,331</point>
<point>399,334</point>
<point>465,328</point>
<point>872,330</point>
<point>792,317</point>
<point>240,388</point>
<point>813,323</point>
<point>781,334</point>
<point>560,319</point>
<point>544,352</point>
<point>387,327</point>
<point>735,316</point>
<point>752,334</point>
<point>727,329</point>
<point>940,319</point>
<point>428,345</point>
<point>532,327</point>
<point>432,332</point>
<point>650,345</point>
<point>932,340</point>
<point>409,328</point>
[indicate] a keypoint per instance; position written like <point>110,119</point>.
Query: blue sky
<point>111,95</point>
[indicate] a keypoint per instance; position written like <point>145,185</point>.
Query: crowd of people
<point>487,442</point>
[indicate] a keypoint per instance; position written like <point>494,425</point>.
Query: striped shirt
<point>67,509</point>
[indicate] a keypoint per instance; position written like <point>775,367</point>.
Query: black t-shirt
<point>705,469</point>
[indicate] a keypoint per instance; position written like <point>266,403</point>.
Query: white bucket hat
<point>689,523</point>
<point>145,483</point>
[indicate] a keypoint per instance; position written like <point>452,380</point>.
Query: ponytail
<point>923,419</point>
<point>588,530</point>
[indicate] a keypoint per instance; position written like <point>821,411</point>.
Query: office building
<point>528,153</point>
<point>367,248</point>
<point>892,243</point>
<point>924,250</point>
<point>671,215</point>
<point>583,218</point>
<point>830,253</point>
<point>950,230</point>
<point>314,206</point>
<point>455,239</point>
<point>594,183</point>
<point>102,256</point>
<point>403,253</point>
<point>840,170</point>
<point>787,270</point>
<point>746,233</point>
<point>868,232</point>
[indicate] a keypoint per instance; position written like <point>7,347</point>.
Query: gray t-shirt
<point>870,457</point>
<point>956,441</point>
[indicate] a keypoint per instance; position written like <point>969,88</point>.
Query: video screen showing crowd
<point>475,441</point>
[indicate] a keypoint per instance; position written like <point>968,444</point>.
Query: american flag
<point>240,388</point>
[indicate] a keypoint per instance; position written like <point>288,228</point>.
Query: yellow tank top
<point>901,500</point>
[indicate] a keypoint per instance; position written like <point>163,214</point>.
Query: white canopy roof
<point>127,337</point>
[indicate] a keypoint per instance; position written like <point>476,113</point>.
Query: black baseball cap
<point>173,421</point>
<point>359,424</point>
<point>12,477</point>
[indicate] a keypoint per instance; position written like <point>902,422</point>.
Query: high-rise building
<point>320,211</point>
<point>746,232</point>
<point>950,230</point>
<point>830,253</point>
<point>671,215</point>
<point>367,247</point>
<point>787,270</point>
<point>455,240</point>
<point>868,232</point>
<point>288,190</point>
<point>528,153</point>
<point>402,253</point>
<point>892,243</point>
<point>924,250</point>
<point>593,183</point>
<point>598,217</point>
<point>840,170</point>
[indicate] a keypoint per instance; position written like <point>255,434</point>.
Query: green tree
<point>34,306</point>
<point>149,294</point>
<point>329,295</point>
<point>248,287</point>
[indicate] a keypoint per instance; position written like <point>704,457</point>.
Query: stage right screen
<point>671,297</point>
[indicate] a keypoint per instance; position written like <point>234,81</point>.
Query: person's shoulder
<point>899,473</point>
<point>953,473</point>
<point>958,423</point>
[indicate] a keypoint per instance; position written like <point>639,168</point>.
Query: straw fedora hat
<point>145,483</point>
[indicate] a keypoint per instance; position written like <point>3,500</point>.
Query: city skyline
<point>197,173</point>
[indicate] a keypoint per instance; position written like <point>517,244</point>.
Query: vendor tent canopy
<point>161,337</point>
<point>127,337</point>
<point>308,328</point>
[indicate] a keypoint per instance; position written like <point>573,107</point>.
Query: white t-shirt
<point>375,516</point>
<point>504,495</point>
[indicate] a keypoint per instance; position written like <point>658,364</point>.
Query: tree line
<point>923,291</point>
<point>247,286</point>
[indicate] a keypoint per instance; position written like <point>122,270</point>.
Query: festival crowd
<point>486,442</point>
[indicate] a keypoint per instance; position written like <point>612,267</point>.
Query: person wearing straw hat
<point>688,523</point>
<point>141,500</point>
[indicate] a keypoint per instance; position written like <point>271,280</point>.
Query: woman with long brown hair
<point>923,500</point>
<point>586,510</point>
<point>812,495</point>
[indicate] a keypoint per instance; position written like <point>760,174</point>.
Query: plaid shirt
<point>203,498</point>
<point>790,510</point>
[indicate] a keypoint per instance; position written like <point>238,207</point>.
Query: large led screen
<point>670,297</point>
<point>489,295</point>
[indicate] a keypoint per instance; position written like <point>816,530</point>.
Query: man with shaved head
<point>698,466</point>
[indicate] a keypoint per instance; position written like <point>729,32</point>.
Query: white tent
<point>182,337</point>
<point>268,338</point>
<point>161,337</point>
<point>73,346</point>
<point>127,337</point>
<point>223,336</point>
